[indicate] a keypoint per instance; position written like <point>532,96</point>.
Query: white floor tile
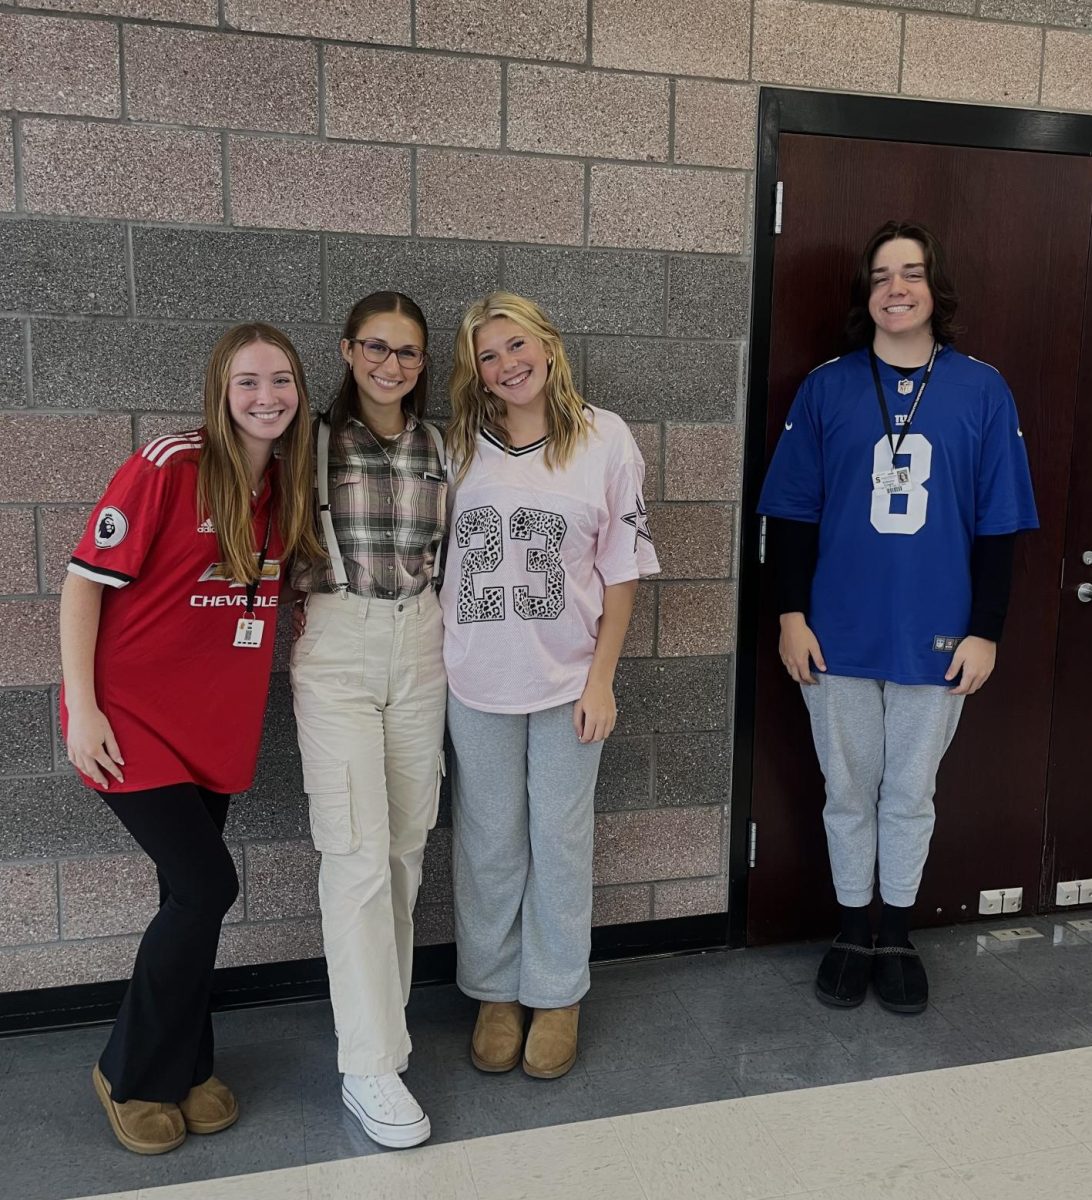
<point>973,1114</point>
<point>1044,1175</point>
<point>1061,1084</point>
<point>289,1184</point>
<point>435,1172</point>
<point>707,1150</point>
<point>558,1163</point>
<point>933,1185</point>
<point>844,1134</point>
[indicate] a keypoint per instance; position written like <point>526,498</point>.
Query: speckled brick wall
<point>170,166</point>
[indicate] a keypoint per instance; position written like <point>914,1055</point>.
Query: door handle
<point>1084,593</point>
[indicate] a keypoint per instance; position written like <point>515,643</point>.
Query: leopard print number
<point>547,561</point>
<point>487,557</point>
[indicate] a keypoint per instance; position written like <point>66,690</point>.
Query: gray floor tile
<point>1009,1027</point>
<point>638,1031</point>
<point>7,1057</point>
<point>757,1018</point>
<point>715,969</point>
<point>795,1067</point>
<point>73,1048</point>
<point>644,1089</point>
<point>244,1026</point>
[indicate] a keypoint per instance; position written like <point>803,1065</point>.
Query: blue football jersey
<point>891,594</point>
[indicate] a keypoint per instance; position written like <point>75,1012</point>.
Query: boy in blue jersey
<point>893,500</point>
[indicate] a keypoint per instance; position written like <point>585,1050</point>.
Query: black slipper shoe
<point>898,975</point>
<point>843,976</point>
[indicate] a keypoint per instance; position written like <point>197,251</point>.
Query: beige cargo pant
<point>369,692</point>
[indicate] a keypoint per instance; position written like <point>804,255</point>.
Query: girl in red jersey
<point>167,621</point>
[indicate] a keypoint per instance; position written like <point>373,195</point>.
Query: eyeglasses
<point>378,352</point>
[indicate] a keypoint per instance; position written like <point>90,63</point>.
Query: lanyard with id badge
<point>248,631</point>
<point>897,480</point>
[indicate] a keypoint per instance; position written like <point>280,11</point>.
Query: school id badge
<point>896,482</point>
<point>248,633</point>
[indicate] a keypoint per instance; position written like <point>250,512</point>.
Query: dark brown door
<point>1016,227</point>
<point>1067,849</point>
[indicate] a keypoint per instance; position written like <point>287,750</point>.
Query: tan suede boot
<point>551,1044</point>
<point>143,1126</point>
<point>210,1107</point>
<point>498,1036</point>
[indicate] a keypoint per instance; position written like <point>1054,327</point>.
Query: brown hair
<point>344,404</point>
<point>474,409</point>
<point>223,473</point>
<point>860,328</point>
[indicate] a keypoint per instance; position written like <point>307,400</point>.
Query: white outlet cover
<point>1015,935</point>
<point>990,902</point>
<point>1068,893</point>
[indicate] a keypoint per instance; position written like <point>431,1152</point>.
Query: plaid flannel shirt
<point>388,503</point>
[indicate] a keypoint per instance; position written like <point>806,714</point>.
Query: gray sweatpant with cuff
<point>879,746</point>
<point>524,816</point>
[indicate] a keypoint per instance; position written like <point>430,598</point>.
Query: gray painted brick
<point>680,696</point>
<point>443,277</point>
<point>1076,13</point>
<point>62,266</point>
<point>275,806</point>
<point>56,816</point>
<point>28,903</point>
<point>7,166</point>
<point>18,564</point>
<point>624,774</point>
<point>120,364</point>
<point>694,769</point>
<point>591,291</point>
<point>12,364</point>
<point>227,276</point>
<point>708,297</point>
<point>651,380</point>
<point>322,364</point>
<point>25,732</point>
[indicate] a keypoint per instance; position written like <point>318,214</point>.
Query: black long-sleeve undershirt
<point>792,550</point>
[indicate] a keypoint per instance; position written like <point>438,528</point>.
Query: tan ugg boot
<point>551,1045</point>
<point>143,1126</point>
<point>498,1035</point>
<point>210,1107</point>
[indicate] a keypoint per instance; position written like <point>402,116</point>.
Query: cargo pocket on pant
<point>441,771</point>
<point>327,788</point>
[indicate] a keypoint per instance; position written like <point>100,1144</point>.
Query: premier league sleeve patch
<point>111,528</point>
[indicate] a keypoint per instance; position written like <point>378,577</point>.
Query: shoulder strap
<point>441,551</point>
<point>322,476</point>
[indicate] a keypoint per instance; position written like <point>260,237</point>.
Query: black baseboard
<point>282,982</point>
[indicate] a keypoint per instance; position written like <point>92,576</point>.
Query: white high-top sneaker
<point>386,1108</point>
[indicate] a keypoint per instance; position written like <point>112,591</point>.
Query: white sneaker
<point>384,1106</point>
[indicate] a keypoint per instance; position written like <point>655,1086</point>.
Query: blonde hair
<point>473,409</point>
<point>223,472</point>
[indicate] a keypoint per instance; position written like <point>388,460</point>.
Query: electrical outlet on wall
<point>1012,899</point>
<point>1085,886</point>
<point>1068,893</point>
<point>991,902</point>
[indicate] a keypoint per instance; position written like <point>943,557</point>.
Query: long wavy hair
<point>860,328</point>
<point>345,403</point>
<point>473,409</point>
<point>223,471</point>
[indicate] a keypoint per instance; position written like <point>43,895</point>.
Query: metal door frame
<point>786,110</point>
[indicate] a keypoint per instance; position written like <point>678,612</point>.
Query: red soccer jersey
<point>185,703</point>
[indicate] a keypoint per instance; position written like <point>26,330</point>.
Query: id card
<point>895,482</point>
<point>248,633</point>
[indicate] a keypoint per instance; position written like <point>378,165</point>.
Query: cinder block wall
<point>170,166</point>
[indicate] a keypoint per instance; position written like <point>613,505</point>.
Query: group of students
<point>485,578</point>
<point>527,512</point>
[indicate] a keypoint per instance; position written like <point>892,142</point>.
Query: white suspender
<point>322,473</point>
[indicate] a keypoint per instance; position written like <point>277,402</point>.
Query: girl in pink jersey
<point>548,540</point>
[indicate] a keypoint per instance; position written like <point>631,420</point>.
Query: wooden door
<point>1016,230</point>
<point>1067,846</point>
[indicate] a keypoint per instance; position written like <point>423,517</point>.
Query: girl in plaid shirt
<point>369,690</point>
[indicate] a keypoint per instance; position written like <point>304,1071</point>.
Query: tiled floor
<point>944,1106</point>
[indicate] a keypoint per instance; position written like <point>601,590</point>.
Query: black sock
<point>856,927</point>
<point>894,926</point>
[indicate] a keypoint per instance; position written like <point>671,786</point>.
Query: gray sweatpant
<point>524,816</point>
<point>879,746</point>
